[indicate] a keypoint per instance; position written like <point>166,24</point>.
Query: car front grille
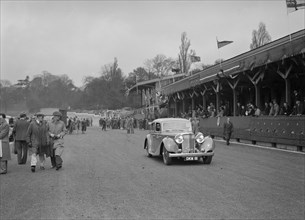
<point>188,143</point>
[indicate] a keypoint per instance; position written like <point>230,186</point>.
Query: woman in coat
<point>5,153</point>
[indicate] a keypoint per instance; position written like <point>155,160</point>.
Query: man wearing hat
<point>38,141</point>
<point>19,131</point>
<point>57,130</point>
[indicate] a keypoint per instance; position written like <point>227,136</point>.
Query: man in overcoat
<point>227,130</point>
<point>57,131</point>
<point>5,153</point>
<point>19,131</point>
<point>38,141</point>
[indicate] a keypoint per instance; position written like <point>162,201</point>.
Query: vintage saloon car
<point>173,137</point>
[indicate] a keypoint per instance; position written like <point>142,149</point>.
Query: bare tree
<point>260,36</point>
<point>184,61</point>
<point>160,65</point>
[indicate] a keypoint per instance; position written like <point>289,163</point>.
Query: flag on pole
<point>294,5</point>
<point>223,43</point>
<point>195,59</point>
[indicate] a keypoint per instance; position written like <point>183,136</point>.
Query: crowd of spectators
<point>271,108</point>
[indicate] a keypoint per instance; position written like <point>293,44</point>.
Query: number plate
<point>191,158</point>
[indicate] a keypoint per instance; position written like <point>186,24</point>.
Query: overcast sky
<point>77,38</point>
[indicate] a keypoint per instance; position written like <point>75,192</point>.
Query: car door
<point>156,137</point>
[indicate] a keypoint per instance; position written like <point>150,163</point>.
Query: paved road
<point>106,175</point>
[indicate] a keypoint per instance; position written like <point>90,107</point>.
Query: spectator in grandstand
<point>195,125</point>
<point>211,110</point>
<point>271,111</point>
<point>238,109</point>
<point>221,112</point>
<point>285,109</point>
<point>250,110</point>
<point>298,109</point>
<point>257,111</point>
<point>243,111</point>
<point>276,108</point>
<point>266,109</point>
<point>296,96</point>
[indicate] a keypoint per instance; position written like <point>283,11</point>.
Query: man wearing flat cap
<point>19,132</point>
<point>57,131</point>
<point>38,141</point>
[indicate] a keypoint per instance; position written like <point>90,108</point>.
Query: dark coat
<point>38,138</point>
<point>4,133</point>
<point>20,129</point>
<point>227,130</point>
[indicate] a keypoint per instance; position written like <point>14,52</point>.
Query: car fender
<point>148,140</point>
<point>170,144</point>
<point>208,144</point>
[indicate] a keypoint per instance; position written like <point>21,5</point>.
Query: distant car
<point>174,138</point>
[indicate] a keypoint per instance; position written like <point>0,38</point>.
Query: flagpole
<point>218,54</point>
<point>288,21</point>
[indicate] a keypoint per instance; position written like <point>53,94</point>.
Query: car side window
<point>158,127</point>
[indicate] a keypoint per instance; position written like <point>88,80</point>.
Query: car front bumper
<point>199,154</point>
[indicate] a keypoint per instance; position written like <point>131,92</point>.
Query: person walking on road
<point>5,153</point>
<point>227,130</point>
<point>84,126</point>
<point>38,141</point>
<point>57,130</point>
<point>20,131</point>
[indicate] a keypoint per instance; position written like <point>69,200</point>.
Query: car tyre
<point>147,152</point>
<point>166,159</point>
<point>207,159</point>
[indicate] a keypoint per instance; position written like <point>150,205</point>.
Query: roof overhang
<point>274,51</point>
<point>152,83</point>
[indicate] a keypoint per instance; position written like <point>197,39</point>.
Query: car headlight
<point>199,138</point>
<point>179,139</point>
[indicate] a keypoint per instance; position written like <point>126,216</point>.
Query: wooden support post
<point>216,90</point>
<point>255,81</point>
<point>217,102</point>
<point>233,87</point>
<point>257,95</point>
<point>288,91</point>
<point>234,101</point>
<point>287,84</point>
<point>176,108</point>
<point>204,101</point>
<point>204,105</point>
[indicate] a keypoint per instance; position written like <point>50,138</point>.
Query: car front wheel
<point>166,159</point>
<point>207,159</point>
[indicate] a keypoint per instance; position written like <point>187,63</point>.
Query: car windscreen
<point>177,126</point>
